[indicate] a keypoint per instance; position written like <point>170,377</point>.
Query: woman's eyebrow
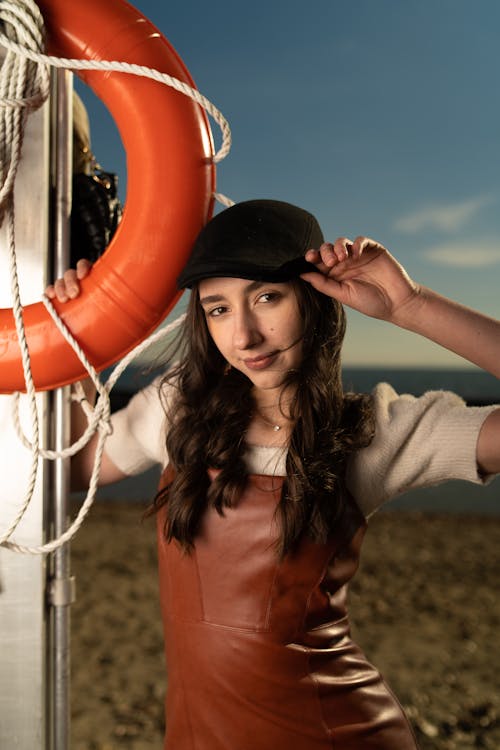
<point>210,298</point>
<point>254,285</point>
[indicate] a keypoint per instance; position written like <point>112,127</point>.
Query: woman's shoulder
<point>418,441</point>
<point>389,403</point>
<point>162,390</point>
<point>139,429</point>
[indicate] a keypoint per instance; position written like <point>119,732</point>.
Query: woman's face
<point>256,326</point>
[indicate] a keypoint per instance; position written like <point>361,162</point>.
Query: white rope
<point>221,198</point>
<point>98,418</point>
<point>133,69</point>
<point>100,413</point>
<point>24,86</point>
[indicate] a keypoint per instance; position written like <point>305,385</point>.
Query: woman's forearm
<point>468,333</point>
<point>82,461</point>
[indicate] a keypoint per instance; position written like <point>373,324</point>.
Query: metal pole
<point>61,587</point>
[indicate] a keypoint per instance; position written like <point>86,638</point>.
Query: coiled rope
<point>24,87</point>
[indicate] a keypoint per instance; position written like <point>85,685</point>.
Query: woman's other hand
<point>363,275</point>
<point>68,287</point>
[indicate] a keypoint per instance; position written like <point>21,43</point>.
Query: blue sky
<point>380,116</point>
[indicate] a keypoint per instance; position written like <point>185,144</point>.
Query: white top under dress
<point>419,441</point>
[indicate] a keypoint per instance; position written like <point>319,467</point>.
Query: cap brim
<point>238,270</point>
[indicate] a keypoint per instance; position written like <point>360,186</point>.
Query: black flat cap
<point>262,240</point>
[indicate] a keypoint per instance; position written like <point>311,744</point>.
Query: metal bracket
<point>61,592</point>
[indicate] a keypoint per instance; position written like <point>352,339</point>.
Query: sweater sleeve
<point>139,430</point>
<point>418,442</point>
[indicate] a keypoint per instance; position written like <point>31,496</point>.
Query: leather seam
<point>319,702</point>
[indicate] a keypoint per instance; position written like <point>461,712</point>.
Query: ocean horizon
<point>474,386</point>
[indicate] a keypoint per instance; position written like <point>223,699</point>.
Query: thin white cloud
<point>446,218</point>
<point>465,254</point>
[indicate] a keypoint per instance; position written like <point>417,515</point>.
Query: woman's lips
<point>260,363</point>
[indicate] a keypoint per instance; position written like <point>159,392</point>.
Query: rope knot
<point>105,426</point>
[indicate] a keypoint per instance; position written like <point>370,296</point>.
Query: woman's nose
<point>245,333</point>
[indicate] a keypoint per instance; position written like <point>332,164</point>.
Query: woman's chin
<point>266,381</point>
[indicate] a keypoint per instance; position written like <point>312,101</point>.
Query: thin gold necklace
<point>275,427</point>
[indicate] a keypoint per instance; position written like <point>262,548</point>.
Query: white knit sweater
<point>418,442</point>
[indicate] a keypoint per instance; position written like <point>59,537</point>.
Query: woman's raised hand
<point>68,287</point>
<point>363,275</point>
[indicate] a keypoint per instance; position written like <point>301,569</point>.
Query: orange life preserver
<point>170,183</point>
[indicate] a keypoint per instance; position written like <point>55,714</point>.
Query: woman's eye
<point>269,296</point>
<point>216,311</point>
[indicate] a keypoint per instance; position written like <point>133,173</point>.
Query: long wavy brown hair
<point>211,411</point>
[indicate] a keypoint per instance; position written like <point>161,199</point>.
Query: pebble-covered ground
<point>424,606</point>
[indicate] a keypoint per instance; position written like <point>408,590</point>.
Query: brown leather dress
<point>259,654</point>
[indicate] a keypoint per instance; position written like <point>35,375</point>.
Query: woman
<point>272,472</point>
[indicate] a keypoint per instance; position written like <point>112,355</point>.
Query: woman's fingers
<point>330,254</point>
<point>83,268</point>
<point>68,286</point>
<point>362,244</point>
